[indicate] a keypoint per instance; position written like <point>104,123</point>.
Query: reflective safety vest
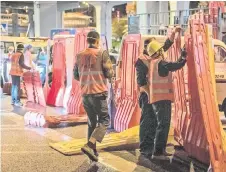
<point>16,69</point>
<point>91,76</point>
<point>159,88</point>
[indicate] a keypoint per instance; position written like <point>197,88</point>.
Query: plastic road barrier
<point>180,113</point>
<point>56,92</point>
<point>7,89</point>
<point>128,112</point>
<point>33,87</point>
<point>37,119</point>
<point>74,104</point>
<point>209,107</point>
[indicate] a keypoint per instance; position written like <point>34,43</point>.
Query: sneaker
<point>12,103</point>
<point>89,152</point>
<point>95,152</point>
<point>159,153</point>
<point>19,104</point>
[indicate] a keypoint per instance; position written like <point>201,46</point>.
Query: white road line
<point>107,159</point>
<point>118,163</point>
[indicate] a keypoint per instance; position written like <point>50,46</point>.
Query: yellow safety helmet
<point>153,47</point>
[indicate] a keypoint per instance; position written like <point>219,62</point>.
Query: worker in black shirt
<point>156,108</point>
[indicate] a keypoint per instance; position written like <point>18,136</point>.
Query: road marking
<point>107,159</point>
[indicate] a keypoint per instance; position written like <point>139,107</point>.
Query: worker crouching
<point>92,69</point>
<point>154,79</point>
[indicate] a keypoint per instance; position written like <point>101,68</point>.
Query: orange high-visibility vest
<point>16,69</point>
<point>161,88</point>
<point>91,76</point>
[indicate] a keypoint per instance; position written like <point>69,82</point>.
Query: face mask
<point>10,52</point>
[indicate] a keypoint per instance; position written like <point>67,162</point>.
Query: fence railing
<point>157,23</point>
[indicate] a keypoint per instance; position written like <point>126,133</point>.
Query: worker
<point>16,71</point>
<point>5,63</point>
<point>156,109</point>
<point>2,59</point>
<point>28,56</point>
<point>92,69</point>
<point>41,62</point>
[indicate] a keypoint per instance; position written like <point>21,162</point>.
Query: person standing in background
<point>28,56</point>
<point>2,59</point>
<point>16,71</point>
<point>6,61</point>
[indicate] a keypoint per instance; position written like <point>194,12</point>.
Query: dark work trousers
<point>15,90</point>
<point>162,110</point>
<point>98,118</point>
<point>148,125</point>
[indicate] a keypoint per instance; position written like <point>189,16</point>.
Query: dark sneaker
<point>95,152</point>
<point>19,104</point>
<point>89,152</point>
<point>159,153</point>
<point>12,103</point>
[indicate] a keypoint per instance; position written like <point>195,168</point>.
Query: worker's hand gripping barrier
<point>74,104</point>
<point>33,87</point>
<point>128,112</point>
<point>180,113</point>
<point>56,92</point>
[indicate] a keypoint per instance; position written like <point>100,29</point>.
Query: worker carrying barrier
<point>127,113</point>
<point>56,92</point>
<point>33,87</point>
<point>36,119</point>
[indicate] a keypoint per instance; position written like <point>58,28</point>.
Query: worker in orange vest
<point>16,71</point>
<point>155,82</point>
<point>92,69</point>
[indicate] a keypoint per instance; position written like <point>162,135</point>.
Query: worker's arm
<point>169,42</point>
<point>107,66</point>
<point>21,63</point>
<point>76,73</point>
<point>166,67</point>
<point>142,71</point>
<point>142,81</point>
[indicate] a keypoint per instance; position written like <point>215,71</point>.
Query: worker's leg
<point>98,105</point>
<point>101,108</point>
<point>162,111</point>
<point>13,90</point>
<point>92,117</point>
<point>17,89</point>
<point>147,126</point>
